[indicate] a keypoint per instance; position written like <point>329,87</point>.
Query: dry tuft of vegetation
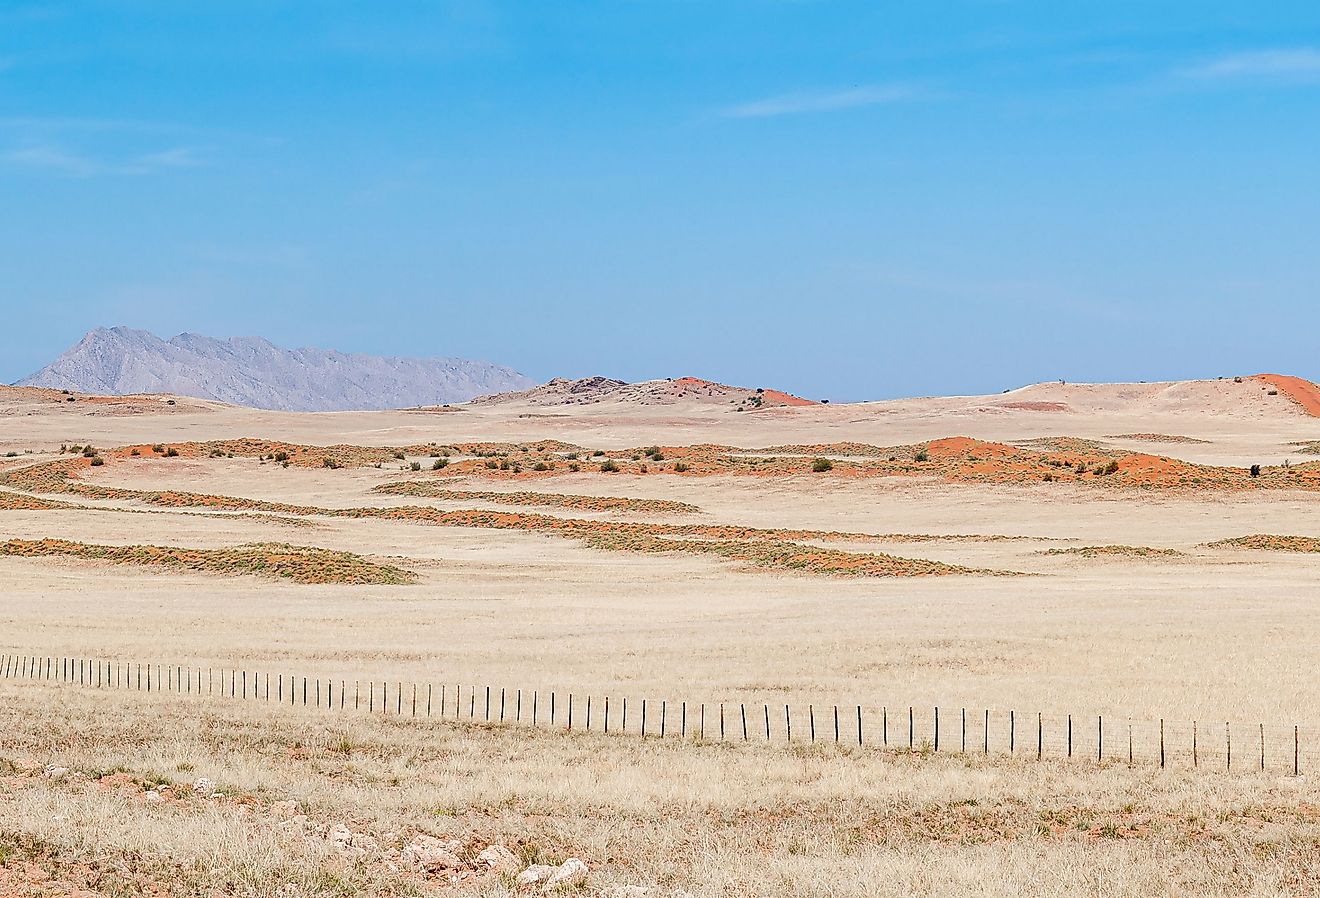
<point>301,564</point>
<point>1270,542</point>
<point>424,489</point>
<point>1117,551</point>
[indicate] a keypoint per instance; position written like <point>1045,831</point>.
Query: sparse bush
<point>540,466</point>
<point>1110,468</point>
<point>329,463</point>
<point>572,456</point>
<point>89,451</point>
<point>11,454</point>
<point>171,452</point>
<point>598,453</point>
<point>504,464</point>
<point>439,463</point>
<point>158,449</point>
<point>821,465</point>
<point>280,457</point>
<point>574,466</point>
<point>135,452</point>
<point>97,461</point>
<point>680,467</point>
<point>399,456</point>
<point>922,455</point>
<point>415,466</point>
<point>492,463</point>
<point>643,468</point>
<point>608,466</point>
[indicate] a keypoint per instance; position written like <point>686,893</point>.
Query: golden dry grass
<point>713,608</point>
<point>714,820</point>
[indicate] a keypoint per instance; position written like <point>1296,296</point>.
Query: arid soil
<point>1078,552</point>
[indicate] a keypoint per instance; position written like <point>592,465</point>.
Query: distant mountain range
<point>254,372</point>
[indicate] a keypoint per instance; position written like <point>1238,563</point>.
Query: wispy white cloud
<point>57,160</point>
<point>824,101</point>
<point>1301,63</point>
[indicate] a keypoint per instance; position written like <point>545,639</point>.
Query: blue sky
<point>849,200</point>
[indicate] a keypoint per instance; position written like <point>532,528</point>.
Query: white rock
<point>570,873</point>
<point>204,787</point>
<point>497,857</point>
<point>534,874</point>
<point>624,892</point>
<point>339,834</point>
<point>153,796</point>
<point>429,854</point>
<point>284,809</point>
<point>56,773</point>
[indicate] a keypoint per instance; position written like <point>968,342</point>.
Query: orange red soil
<point>1299,390</point>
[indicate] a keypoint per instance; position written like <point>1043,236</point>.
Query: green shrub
<point>88,451</point>
<point>171,452</point>
<point>821,465</point>
<point>415,466</point>
<point>492,463</point>
<point>608,466</point>
<point>329,463</point>
<point>680,467</point>
<point>399,456</point>
<point>281,456</point>
<point>540,466</point>
<point>922,455</point>
<point>158,449</point>
<point>574,466</point>
<point>439,463</point>
<point>97,461</point>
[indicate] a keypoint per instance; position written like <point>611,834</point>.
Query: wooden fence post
<point>1228,748</point>
<point>937,727</point>
<point>811,720</point>
<point>742,708</point>
<point>859,725</point>
<point>1161,743</point>
<point>1040,735</point>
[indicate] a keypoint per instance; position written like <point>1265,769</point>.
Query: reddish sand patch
<point>1299,390</point>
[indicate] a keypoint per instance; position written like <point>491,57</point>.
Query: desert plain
<point>1083,579</point>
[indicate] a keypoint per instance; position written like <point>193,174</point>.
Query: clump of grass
<point>608,466</point>
<point>440,464</point>
<point>301,564</point>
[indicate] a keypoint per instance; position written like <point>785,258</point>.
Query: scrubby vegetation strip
<point>301,564</point>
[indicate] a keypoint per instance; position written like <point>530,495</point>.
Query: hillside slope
<point>254,372</point>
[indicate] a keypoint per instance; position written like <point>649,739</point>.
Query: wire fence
<point>1222,744</point>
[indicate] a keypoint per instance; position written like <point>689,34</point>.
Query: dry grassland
<point>701,571</point>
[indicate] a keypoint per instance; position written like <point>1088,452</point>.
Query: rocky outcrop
<point>253,372</point>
